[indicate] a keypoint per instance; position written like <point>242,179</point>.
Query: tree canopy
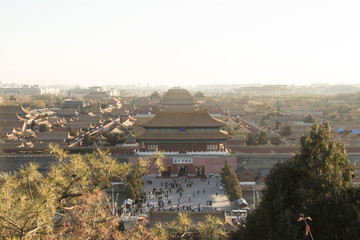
<point>53,206</point>
<point>315,182</point>
<point>309,119</point>
<point>44,128</point>
<point>257,138</point>
<point>286,131</point>
<point>87,141</point>
<point>231,182</point>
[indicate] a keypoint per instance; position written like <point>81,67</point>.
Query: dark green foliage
<point>84,110</point>
<point>115,139</point>
<point>43,128</point>
<point>263,138</point>
<point>344,108</point>
<point>252,139</point>
<point>263,123</point>
<point>232,185</point>
<point>121,226</point>
<point>87,141</point>
<point>277,124</point>
<point>309,119</point>
<point>135,182</point>
<point>32,124</point>
<point>130,192</point>
<point>315,182</point>
<point>257,139</point>
<point>229,130</point>
<point>69,202</point>
<point>286,131</point>
<point>72,131</point>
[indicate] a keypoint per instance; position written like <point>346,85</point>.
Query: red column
<point>174,170</point>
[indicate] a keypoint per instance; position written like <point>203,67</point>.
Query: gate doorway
<point>199,171</point>
<point>182,171</point>
<point>166,173</point>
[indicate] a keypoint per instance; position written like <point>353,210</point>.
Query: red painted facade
<point>184,147</point>
<point>198,167</point>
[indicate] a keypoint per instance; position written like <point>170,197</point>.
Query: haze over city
<point>179,42</point>
<point>158,120</point>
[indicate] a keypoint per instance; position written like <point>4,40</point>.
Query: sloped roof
<point>88,118</point>
<point>116,131</point>
<point>113,100</point>
<point>242,130</point>
<point>13,110</point>
<point>97,95</point>
<point>177,99</point>
<point>128,122</point>
<point>179,108</point>
<point>130,136</point>
<point>230,122</point>
<point>118,111</point>
<point>177,96</point>
<point>263,172</point>
<point>78,125</point>
<point>96,109</point>
<point>215,135</point>
<point>247,172</point>
<point>238,137</point>
<point>183,119</point>
<point>47,136</point>
<point>54,120</point>
<point>66,112</point>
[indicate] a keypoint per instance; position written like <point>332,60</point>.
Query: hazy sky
<point>179,42</point>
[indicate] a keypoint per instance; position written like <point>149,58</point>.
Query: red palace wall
<point>213,165</point>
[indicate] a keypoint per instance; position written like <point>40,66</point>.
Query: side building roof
<point>13,110</point>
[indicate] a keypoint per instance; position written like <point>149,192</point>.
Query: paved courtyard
<point>195,192</point>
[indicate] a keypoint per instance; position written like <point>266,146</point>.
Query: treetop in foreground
<point>315,182</point>
<point>35,206</point>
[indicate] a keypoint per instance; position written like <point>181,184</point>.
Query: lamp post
<point>112,198</point>
<point>117,203</point>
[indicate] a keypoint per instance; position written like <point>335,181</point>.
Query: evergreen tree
<point>232,185</point>
<point>263,138</point>
<point>87,140</point>
<point>72,131</point>
<point>277,124</point>
<point>286,131</point>
<point>315,182</point>
<point>309,119</point>
<point>252,139</point>
<point>211,229</point>
<point>43,128</point>
<point>130,191</point>
<point>68,202</point>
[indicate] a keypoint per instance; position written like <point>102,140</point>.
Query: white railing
<point>206,153</point>
<point>127,145</point>
<point>201,153</point>
<point>147,153</point>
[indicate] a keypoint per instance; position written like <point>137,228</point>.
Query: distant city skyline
<point>179,43</point>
